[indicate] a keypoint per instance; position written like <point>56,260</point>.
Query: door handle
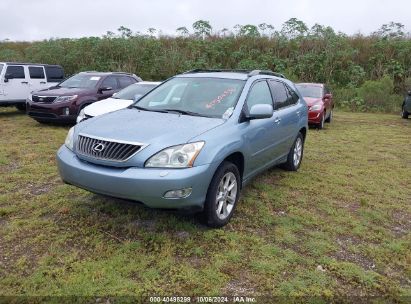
<point>42,82</point>
<point>25,82</point>
<point>298,112</point>
<point>277,120</point>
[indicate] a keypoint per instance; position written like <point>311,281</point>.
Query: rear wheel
<point>404,114</point>
<point>222,195</point>
<point>295,156</point>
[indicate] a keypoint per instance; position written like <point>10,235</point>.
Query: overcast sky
<point>42,19</point>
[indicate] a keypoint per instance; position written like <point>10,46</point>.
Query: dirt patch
<point>9,167</point>
<point>344,254</point>
<point>239,287</point>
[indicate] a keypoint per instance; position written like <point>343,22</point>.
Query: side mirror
<point>260,111</point>
<point>102,89</point>
<point>8,76</point>
<point>327,96</point>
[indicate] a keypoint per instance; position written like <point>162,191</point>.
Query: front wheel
<point>295,156</point>
<point>320,126</point>
<point>404,114</point>
<point>222,195</point>
<point>330,118</point>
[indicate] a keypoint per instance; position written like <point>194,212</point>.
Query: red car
<point>319,101</point>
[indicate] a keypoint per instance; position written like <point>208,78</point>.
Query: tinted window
<point>125,81</point>
<point>293,97</point>
<point>16,70</point>
<point>54,73</point>
<point>131,91</point>
<point>259,94</point>
<point>36,72</point>
<point>212,97</point>
<point>110,82</point>
<point>280,95</point>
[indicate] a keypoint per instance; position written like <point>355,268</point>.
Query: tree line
<point>354,66</point>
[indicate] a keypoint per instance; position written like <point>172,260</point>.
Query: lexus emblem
<point>98,147</point>
<point>41,99</point>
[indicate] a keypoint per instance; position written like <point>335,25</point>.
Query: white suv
<point>18,80</point>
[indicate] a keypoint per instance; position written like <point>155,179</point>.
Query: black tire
<point>210,213</point>
<point>404,114</point>
<point>330,117</point>
<point>320,126</point>
<point>290,165</point>
<point>21,107</point>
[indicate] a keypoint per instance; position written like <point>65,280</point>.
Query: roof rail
<point>248,72</point>
<point>265,72</point>
<point>122,73</point>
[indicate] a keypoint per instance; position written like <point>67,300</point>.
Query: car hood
<point>53,91</point>
<point>311,101</point>
<point>159,130</point>
<point>106,106</point>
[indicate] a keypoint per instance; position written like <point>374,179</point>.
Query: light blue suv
<point>191,143</point>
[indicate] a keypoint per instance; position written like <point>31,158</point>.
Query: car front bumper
<point>314,117</point>
<point>146,185</point>
<point>50,111</point>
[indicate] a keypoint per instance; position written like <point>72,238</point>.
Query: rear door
<point>285,115</point>
<point>16,84</point>
<point>37,77</point>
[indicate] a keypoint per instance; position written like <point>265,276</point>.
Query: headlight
<point>181,156</point>
<point>81,116</point>
<point>316,107</point>
<point>69,142</point>
<point>65,98</point>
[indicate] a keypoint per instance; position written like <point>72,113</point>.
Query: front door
<point>15,82</point>
<point>262,135</point>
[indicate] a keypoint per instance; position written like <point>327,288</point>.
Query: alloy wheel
<point>226,195</point>
<point>298,151</point>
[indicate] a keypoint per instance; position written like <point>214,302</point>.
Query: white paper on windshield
<point>95,78</point>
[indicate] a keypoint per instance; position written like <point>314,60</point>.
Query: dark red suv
<point>63,102</point>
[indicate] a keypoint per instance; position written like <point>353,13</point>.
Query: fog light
<point>181,193</point>
<point>66,111</point>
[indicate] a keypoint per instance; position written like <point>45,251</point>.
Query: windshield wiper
<point>185,112</point>
<point>145,109</point>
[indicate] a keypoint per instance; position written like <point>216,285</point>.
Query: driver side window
<point>259,94</point>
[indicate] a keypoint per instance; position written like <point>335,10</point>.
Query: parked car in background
<point>118,101</point>
<point>191,143</point>
<point>406,106</point>
<point>63,102</point>
<point>320,103</point>
<point>18,80</point>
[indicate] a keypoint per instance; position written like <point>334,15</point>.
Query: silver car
<point>191,143</point>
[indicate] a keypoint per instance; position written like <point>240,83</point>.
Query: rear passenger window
<point>36,72</point>
<point>259,94</point>
<point>280,95</point>
<point>110,82</point>
<point>16,70</point>
<point>54,73</point>
<point>293,97</point>
<point>126,81</point>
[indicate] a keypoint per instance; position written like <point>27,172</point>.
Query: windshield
<point>210,97</point>
<point>310,90</point>
<point>80,81</point>
<point>134,90</point>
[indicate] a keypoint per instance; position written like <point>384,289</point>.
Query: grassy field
<point>341,226</point>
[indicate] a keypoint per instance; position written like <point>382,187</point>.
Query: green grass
<point>338,227</point>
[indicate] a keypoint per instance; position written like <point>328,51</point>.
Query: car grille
<point>46,99</point>
<point>106,149</point>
